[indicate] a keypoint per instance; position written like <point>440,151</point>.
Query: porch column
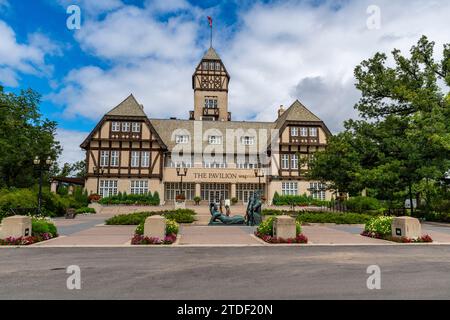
<point>71,189</point>
<point>233,190</point>
<point>197,190</point>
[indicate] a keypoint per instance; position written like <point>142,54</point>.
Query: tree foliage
<point>24,134</point>
<point>403,136</point>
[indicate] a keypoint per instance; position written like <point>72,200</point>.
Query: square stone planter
<point>180,204</point>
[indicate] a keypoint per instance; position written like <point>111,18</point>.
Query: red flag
<point>210,21</point>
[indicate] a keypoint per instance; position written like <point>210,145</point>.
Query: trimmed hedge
<point>124,198</point>
<point>362,204</point>
<point>179,215</point>
<point>297,200</point>
<point>85,210</point>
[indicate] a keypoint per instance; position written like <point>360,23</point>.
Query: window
<point>294,131</point>
<point>136,127</point>
<point>217,66</point>
<point>304,132</point>
<point>294,161</point>
<point>139,186</point>
<point>173,188</point>
<point>214,164</point>
<point>145,159</point>
<point>215,140</point>
<point>247,140</point>
<point>104,158</point>
<point>115,126</point>
<point>313,132</point>
<point>317,190</point>
<point>125,126</point>
<point>211,65</point>
<point>114,158</point>
<point>135,159</point>
<point>108,188</point>
<point>210,102</point>
<point>289,188</point>
<point>284,161</point>
<point>182,139</point>
<point>205,65</point>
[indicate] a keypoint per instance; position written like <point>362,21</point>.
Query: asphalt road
<point>407,272</point>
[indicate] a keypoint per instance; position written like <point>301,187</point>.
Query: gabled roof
<point>128,107</point>
<point>296,112</point>
<point>211,54</point>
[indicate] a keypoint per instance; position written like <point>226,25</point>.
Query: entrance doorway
<point>213,192</point>
<point>245,190</point>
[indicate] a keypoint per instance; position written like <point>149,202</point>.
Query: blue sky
<point>275,51</point>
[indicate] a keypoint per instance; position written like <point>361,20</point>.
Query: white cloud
<point>70,140</point>
<point>91,7</point>
<point>29,58</point>
<point>278,52</point>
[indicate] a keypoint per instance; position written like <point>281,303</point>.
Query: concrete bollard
<point>284,227</point>
<point>15,226</point>
<point>155,226</point>
<point>406,227</point>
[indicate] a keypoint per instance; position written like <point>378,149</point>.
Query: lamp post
<point>181,175</point>
<point>41,165</point>
<point>259,174</point>
<point>98,171</point>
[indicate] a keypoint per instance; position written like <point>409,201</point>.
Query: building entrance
<point>213,192</point>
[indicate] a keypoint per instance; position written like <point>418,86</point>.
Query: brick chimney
<point>280,111</point>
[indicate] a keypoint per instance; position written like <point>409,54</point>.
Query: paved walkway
<point>89,230</point>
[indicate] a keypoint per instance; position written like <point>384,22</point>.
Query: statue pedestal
<point>155,227</point>
<point>406,227</point>
<point>15,226</point>
<point>284,227</point>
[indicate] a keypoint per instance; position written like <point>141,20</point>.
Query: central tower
<point>210,83</point>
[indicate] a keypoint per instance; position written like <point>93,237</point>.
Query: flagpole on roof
<point>211,30</point>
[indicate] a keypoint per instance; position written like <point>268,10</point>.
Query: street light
<point>181,175</point>
<point>41,167</point>
<point>259,174</point>
<point>98,171</point>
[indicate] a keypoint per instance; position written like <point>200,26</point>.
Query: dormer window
<point>294,131</point>
<point>248,140</point>
<point>181,139</point>
<point>115,126</point>
<point>215,140</point>
<point>205,65</point>
<point>304,132</point>
<point>136,127</point>
<point>125,126</point>
<point>313,132</point>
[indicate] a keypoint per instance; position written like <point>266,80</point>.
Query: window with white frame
<point>248,140</point>
<point>182,138</point>
<point>108,188</point>
<point>289,188</point>
<point>214,164</point>
<point>114,158</point>
<point>173,188</point>
<point>125,126</point>
<point>317,190</point>
<point>215,140</point>
<point>104,158</point>
<point>136,127</point>
<point>284,161</point>
<point>134,159</point>
<point>211,102</point>
<point>294,131</point>
<point>304,132</point>
<point>115,126</point>
<point>145,158</point>
<point>294,161</point>
<point>139,186</point>
<point>313,132</point>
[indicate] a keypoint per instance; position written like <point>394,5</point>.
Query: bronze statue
<point>216,215</point>
<point>254,209</point>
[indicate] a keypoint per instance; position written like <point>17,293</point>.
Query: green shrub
<point>266,227</point>
<point>124,198</point>
<point>179,215</point>
<point>297,200</point>
<point>362,204</point>
<point>85,210</point>
<point>380,225</point>
<point>332,217</point>
<point>17,198</point>
<point>276,212</point>
<point>40,226</point>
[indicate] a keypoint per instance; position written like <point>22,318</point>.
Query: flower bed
<point>265,232</point>
<point>380,228</point>
<point>42,230</point>
<point>172,228</point>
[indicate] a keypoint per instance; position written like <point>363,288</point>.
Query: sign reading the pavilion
<point>220,176</point>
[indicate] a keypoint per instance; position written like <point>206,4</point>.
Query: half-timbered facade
<point>130,152</point>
